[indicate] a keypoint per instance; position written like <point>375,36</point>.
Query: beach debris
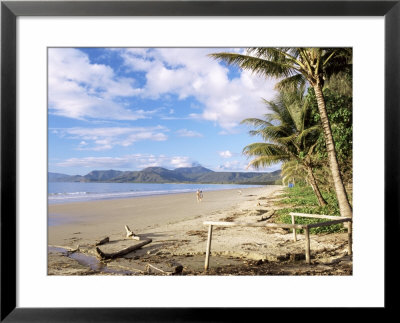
<point>239,192</point>
<point>69,252</point>
<point>266,216</point>
<point>121,252</point>
<point>254,212</point>
<point>148,266</point>
<point>102,241</point>
<point>176,269</point>
<point>130,234</point>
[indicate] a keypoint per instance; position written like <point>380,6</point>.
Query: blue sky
<point>131,108</point>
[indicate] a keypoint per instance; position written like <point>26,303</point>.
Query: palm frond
<point>265,149</point>
<point>264,161</point>
<point>315,130</point>
<point>337,60</point>
<point>259,66</point>
<point>291,82</point>
<point>257,122</point>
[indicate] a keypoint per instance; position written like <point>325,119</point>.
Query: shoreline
<point>96,196</point>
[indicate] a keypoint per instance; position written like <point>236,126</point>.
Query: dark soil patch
<point>260,268</point>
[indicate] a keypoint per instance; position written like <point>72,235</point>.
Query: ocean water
<point>67,192</point>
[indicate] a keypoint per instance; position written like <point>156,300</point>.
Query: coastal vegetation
<point>301,199</point>
<point>290,134</point>
<point>309,128</point>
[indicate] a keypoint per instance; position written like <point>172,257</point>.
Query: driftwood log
<point>122,252</point>
<point>176,269</point>
<point>266,216</point>
<point>102,241</point>
<point>157,269</point>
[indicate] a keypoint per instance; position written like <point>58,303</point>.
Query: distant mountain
<point>54,177</point>
<point>192,170</point>
<point>102,175</point>
<point>196,174</point>
<point>57,177</point>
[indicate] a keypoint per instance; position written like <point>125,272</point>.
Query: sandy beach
<point>175,224</point>
<point>95,219</point>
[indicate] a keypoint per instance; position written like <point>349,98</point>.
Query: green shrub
<point>302,200</point>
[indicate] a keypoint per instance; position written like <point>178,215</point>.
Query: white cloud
<point>106,138</point>
<point>94,162</point>
<point>188,133</point>
<point>129,162</point>
<point>234,166</point>
<point>80,89</point>
<point>241,166</point>
<point>190,72</point>
<point>179,161</point>
<point>225,154</point>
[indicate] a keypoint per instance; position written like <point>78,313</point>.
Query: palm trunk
<point>315,187</point>
<point>343,201</point>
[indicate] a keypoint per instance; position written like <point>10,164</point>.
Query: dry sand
<point>175,225</point>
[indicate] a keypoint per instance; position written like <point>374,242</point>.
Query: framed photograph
<point>134,183</point>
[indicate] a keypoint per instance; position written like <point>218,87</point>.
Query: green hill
<point>196,174</point>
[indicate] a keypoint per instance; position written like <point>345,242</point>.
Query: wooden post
<point>208,247</point>
<point>307,236</point>
<point>294,229</point>
<point>350,237</point>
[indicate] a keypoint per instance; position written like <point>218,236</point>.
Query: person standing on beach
<point>198,196</point>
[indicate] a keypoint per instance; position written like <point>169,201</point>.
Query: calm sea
<point>60,192</point>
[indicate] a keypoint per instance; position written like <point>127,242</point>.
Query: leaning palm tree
<point>292,172</point>
<point>289,134</point>
<point>295,66</point>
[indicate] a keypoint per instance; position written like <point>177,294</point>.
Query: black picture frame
<point>11,10</point>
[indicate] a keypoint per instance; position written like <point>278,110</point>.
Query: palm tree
<point>295,66</point>
<point>292,172</point>
<point>288,133</point>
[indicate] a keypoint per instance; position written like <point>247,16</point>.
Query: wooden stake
<point>350,237</point>
<point>294,229</point>
<point>208,247</point>
<point>307,236</point>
